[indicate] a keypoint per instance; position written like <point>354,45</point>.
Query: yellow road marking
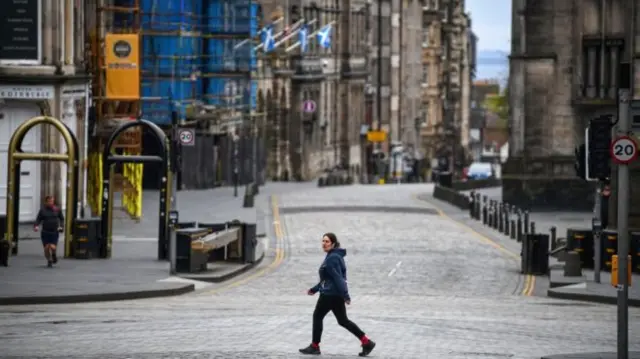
<point>529,280</point>
<point>277,260</point>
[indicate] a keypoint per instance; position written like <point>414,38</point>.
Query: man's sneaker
<point>367,348</point>
<point>312,350</point>
<point>54,257</point>
<point>49,264</point>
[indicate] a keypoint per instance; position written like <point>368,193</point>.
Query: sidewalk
<point>133,272</point>
<point>586,289</point>
<point>573,288</point>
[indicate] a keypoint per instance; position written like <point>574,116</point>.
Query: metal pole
<point>597,232</point>
<point>235,165</point>
<point>254,168</point>
<point>174,160</point>
<point>624,96</point>
<point>623,232</point>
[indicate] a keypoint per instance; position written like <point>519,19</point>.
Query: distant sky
<point>491,22</point>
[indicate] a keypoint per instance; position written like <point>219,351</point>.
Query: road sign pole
<point>623,231</point>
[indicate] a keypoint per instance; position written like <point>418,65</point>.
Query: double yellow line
<point>529,280</point>
<point>277,261</point>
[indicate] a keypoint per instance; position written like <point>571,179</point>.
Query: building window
<point>425,74</point>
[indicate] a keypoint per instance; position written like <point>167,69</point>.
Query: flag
<point>302,35</point>
<point>267,39</point>
<point>324,36</point>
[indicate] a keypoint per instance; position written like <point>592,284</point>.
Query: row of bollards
<point>516,224</point>
<point>503,217</point>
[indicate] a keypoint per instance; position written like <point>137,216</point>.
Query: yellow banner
<point>122,61</point>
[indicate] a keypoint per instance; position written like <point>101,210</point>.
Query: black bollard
<point>500,217</point>
<point>496,214</point>
<point>533,228</point>
<point>472,204</point>
<point>513,229</point>
<point>507,221</point>
<point>554,239</point>
<point>478,207</point>
<point>490,214</point>
<point>484,210</point>
<point>525,224</point>
<point>519,226</point>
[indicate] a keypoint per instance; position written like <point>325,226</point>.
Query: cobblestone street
<point>422,286</point>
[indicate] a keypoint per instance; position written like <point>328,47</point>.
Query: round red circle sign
<point>624,150</point>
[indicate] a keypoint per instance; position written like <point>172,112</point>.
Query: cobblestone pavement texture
<point>422,287</point>
<point>133,266</point>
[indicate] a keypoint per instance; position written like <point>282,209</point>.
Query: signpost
<point>187,137</point>
<point>309,106</point>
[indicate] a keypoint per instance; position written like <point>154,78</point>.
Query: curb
<point>592,298</point>
<point>178,289</point>
<point>222,278</point>
<point>600,355</point>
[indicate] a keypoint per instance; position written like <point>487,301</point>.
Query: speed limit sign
<point>186,136</point>
<point>624,150</point>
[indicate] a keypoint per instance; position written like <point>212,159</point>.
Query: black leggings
<point>335,304</point>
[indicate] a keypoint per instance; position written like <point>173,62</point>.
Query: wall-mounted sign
<point>26,92</point>
<point>20,32</point>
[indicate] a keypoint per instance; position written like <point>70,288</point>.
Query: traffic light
<point>581,161</point>
<point>599,141</point>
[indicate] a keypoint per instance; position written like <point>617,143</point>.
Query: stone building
<point>302,145</point>
<point>410,110</point>
<point>448,60</point>
<point>564,59</point>
<point>399,59</point>
<point>41,73</point>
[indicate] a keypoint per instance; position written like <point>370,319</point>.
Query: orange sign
<point>122,62</point>
<point>615,272</point>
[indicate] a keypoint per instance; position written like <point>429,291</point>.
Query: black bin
<point>249,242</point>
<point>535,254</point>
<point>188,261</point>
<point>581,241</point>
<point>5,247</point>
<point>86,238</point>
<point>183,225</point>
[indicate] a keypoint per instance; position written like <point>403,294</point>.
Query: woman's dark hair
<point>333,238</point>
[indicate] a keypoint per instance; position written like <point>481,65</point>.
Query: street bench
<point>195,246</point>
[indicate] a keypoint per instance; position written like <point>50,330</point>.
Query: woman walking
<point>51,219</point>
<point>334,294</point>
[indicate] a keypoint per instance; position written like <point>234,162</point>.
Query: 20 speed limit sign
<point>624,150</point>
<point>187,136</point>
